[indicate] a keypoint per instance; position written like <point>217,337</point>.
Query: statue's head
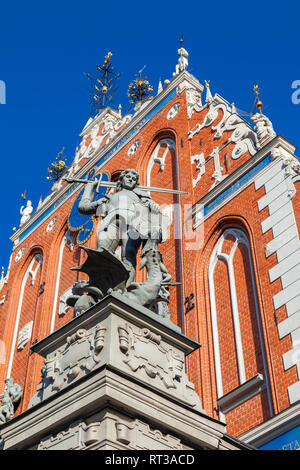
<point>128,179</point>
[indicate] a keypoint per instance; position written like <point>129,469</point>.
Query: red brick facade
<point>189,261</point>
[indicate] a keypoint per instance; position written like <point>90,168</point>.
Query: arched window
<point>29,280</point>
<point>240,363</point>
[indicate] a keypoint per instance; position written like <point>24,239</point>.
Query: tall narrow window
<point>240,363</point>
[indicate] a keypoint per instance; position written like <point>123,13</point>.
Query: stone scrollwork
<point>145,351</point>
<point>80,355</point>
<point>243,136</point>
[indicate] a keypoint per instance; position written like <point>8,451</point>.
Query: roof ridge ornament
<point>209,97</point>
<point>182,59</point>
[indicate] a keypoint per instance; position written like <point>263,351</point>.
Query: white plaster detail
<point>67,241</point>
<point>51,224</point>
<point>173,111</point>
<point>111,124</point>
<point>32,272</point>
<point>279,190</point>
<point>169,144</point>
<point>133,148</point>
<point>19,254</point>
<point>25,213</point>
<point>263,128</point>
<point>194,103</point>
<point>182,61</point>
<point>200,159</point>
<point>217,174</point>
<point>24,335</point>
<point>243,136</point>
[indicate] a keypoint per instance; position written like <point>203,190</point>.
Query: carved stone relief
<point>51,224</point>
<point>78,436</point>
<point>140,436</point>
<point>146,353</point>
<point>24,335</point>
<point>133,148</point>
<point>76,358</point>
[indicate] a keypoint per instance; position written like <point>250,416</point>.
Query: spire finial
<point>258,102</point>
<point>208,92</point>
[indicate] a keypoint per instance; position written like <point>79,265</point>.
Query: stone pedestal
<point>114,378</point>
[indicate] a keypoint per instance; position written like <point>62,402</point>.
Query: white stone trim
<point>242,393</point>
<point>57,282</point>
<point>39,259</point>
<point>170,145</point>
<point>274,427</point>
<point>279,190</point>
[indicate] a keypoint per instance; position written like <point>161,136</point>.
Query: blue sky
<point>45,49</point>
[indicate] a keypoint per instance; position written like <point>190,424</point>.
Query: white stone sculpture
<point>182,61</point>
<point>263,128</point>
<point>26,213</point>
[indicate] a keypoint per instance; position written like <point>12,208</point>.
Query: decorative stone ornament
<point>19,254</point>
<point>173,111</point>
<point>263,128</point>
<point>10,398</point>
<point>24,335</point>
<point>26,213</point>
<point>133,148</point>
<point>51,224</point>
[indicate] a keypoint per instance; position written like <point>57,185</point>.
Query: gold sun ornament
<point>140,89</point>
<point>58,167</point>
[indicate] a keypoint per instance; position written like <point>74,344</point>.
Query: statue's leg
<point>130,247</point>
<point>108,238</point>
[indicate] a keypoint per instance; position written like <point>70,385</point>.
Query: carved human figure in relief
<point>263,128</point>
<point>125,218</point>
<point>26,213</point>
<point>10,397</point>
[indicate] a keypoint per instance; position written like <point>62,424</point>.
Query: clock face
<point>85,222</point>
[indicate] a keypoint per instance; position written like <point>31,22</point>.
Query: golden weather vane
<point>101,85</point>
<point>257,102</point>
